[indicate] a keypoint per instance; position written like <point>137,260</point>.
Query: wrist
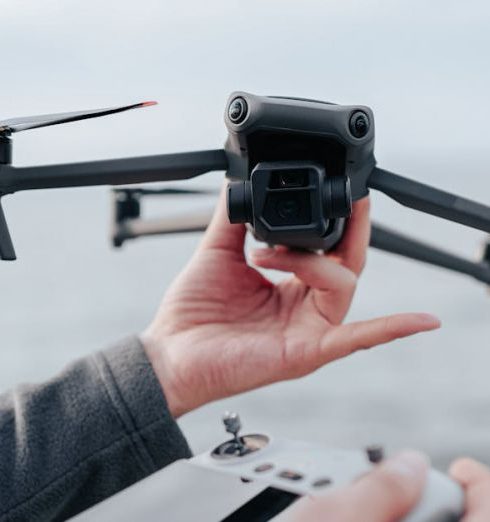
<point>156,349</point>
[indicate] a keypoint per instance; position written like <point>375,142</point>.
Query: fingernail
<point>408,463</point>
<point>263,253</point>
<point>430,320</point>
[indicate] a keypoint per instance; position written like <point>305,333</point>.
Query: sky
<point>422,67</point>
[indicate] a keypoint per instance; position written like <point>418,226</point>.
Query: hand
<point>475,479</point>
<point>386,494</point>
<point>223,328</point>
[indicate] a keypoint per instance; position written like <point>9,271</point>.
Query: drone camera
<point>286,201</point>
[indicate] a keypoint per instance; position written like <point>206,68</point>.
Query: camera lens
<point>288,209</point>
<point>237,110</point>
<point>359,124</point>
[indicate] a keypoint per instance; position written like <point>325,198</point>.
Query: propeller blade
<point>46,120</point>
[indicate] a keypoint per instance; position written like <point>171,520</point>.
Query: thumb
<point>475,479</point>
<point>386,494</point>
<point>221,234</point>
<point>390,491</point>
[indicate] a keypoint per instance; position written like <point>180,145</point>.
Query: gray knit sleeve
<point>96,428</point>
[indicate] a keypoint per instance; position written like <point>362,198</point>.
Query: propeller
<point>46,120</point>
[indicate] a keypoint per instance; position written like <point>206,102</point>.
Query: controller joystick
<point>238,446</point>
<point>233,425</point>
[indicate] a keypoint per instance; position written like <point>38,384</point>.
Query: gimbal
<point>294,165</point>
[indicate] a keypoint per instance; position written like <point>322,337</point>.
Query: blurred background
<point>422,67</point>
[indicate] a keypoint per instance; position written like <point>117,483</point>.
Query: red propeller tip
<point>149,103</point>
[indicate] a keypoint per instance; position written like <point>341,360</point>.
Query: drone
<point>295,166</point>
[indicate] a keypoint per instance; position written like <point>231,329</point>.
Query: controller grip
<point>7,251</point>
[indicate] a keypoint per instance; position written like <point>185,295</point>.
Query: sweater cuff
<point>140,404</point>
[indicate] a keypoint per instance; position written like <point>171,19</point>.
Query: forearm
<point>98,427</point>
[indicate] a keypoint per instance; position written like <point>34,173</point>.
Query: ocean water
<point>70,293</point>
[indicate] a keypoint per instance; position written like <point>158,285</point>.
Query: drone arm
<point>164,167</point>
<point>176,224</point>
<point>430,200</point>
<point>390,241</point>
<point>7,251</point>
<point>129,225</point>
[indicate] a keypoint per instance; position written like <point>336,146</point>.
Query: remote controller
<point>253,478</point>
<point>303,468</point>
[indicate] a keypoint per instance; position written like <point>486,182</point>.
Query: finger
<point>346,339</point>
<point>352,249</point>
<point>390,491</point>
<point>468,471</point>
<point>221,234</point>
<point>333,284</point>
<point>475,479</point>
<point>386,494</point>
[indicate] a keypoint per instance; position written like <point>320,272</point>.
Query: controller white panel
<point>313,462</point>
<point>442,500</point>
<point>209,489</point>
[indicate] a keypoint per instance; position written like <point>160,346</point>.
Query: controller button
<point>290,475</point>
<point>263,468</point>
<point>322,482</point>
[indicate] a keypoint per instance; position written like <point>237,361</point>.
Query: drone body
<point>297,164</point>
<point>294,166</point>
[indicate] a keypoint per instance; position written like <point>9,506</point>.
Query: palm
<point>223,328</point>
<point>236,321</point>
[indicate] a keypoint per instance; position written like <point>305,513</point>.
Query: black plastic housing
<point>293,203</point>
<point>332,142</point>
<point>292,129</point>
